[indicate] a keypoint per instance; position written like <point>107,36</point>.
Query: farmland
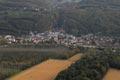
<point>15,60</point>
<point>43,72</point>
<point>93,67</point>
<point>112,74</point>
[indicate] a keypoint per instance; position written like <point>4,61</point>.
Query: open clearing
<point>47,70</point>
<point>112,74</point>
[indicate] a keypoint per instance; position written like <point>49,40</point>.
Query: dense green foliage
<point>100,17</point>
<point>21,17</point>
<point>83,21</point>
<point>91,67</point>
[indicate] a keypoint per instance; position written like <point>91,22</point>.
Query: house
<point>10,39</point>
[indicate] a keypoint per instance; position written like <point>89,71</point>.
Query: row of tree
<point>91,66</point>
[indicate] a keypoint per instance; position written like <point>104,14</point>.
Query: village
<point>59,37</point>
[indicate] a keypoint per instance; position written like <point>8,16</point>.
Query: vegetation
<point>101,17</point>
<point>21,17</point>
<point>91,66</point>
<point>3,41</point>
<point>15,60</point>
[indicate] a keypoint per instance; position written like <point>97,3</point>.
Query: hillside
<point>101,17</point>
<point>21,17</point>
<point>91,16</point>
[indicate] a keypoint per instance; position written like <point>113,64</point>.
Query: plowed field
<point>112,74</point>
<point>47,70</point>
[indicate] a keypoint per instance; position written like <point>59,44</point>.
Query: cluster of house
<point>24,8</point>
<point>60,37</point>
<point>91,40</point>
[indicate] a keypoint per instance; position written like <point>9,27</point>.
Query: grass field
<point>47,70</point>
<point>112,74</point>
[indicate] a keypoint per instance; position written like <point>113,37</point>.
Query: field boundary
<point>112,74</point>
<point>46,70</point>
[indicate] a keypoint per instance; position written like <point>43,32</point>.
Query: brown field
<point>112,74</point>
<point>75,58</point>
<point>47,70</point>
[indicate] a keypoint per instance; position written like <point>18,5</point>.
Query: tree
<point>3,41</point>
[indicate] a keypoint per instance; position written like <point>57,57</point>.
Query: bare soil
<point>112,74</point>
<point>47,70</point>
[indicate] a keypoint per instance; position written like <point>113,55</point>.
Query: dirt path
<point>112,74</point>
<point>47,70</point>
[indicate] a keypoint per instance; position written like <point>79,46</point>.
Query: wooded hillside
<point>101,17</point>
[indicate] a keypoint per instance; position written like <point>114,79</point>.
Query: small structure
<point>10,39</point>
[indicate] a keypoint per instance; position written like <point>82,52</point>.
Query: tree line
<point>91,66</point>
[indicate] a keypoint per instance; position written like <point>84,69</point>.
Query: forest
<point>100,17</point>
<point>91,66</point>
